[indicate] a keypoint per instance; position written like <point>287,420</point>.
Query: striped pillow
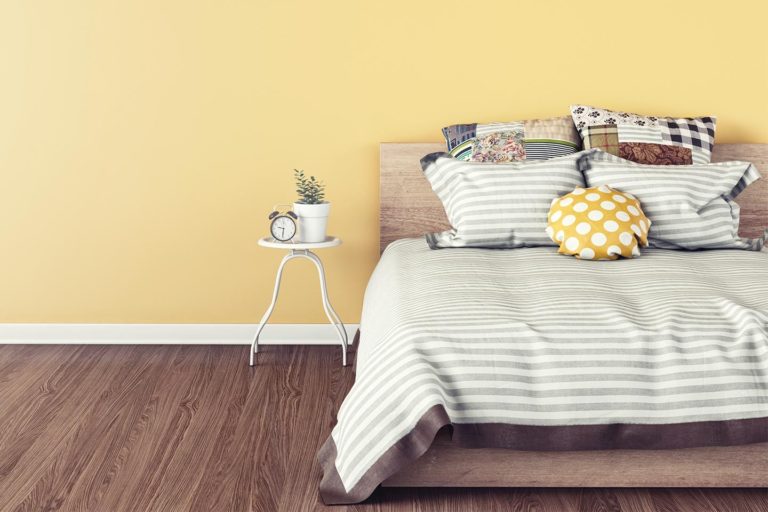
<point>690,206</point>
<point>500,206</point>
<point>533,139</point>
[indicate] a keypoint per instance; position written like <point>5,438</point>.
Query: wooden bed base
<point>446,465</point>
<point>409,208</point>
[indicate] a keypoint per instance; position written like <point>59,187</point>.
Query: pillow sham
<point>690,206</point>
<point>534,139</point>
<point>646,139</point>
<point>499,206</point>
<point>598,223</point>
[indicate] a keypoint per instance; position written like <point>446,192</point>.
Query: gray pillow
<point>690,206</point>
<point>500,206</point>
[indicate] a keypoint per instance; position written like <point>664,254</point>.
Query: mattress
<point>530,350</point>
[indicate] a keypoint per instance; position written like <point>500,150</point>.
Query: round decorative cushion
<point>598,223</point>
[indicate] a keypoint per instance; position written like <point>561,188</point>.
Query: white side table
<point>302,250</point>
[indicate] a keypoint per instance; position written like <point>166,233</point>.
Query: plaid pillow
<point>646,139</point>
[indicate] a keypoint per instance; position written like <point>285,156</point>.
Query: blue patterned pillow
<point>534,139</point>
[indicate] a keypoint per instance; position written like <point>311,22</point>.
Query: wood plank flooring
<point>171,428</point>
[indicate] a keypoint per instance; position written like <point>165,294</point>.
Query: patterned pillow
<point>646,139</point>
<point>598,223</point>
<point>500,206</point>
<point>534,139</point>
<point>691,206</point>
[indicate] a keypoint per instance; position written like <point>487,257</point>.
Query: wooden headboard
<point>409,208</point>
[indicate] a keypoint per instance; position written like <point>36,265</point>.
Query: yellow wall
<point>142,143</point>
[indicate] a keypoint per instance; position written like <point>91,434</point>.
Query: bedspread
<point>530,350</point>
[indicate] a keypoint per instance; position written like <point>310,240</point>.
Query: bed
<point>472,369</point>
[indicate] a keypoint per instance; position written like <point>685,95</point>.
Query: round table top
<point>271,243</point>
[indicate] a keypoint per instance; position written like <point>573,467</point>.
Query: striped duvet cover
<point>530,350</point>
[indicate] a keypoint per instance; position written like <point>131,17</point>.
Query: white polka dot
<point>619,199</point>
<point>572,244</point>
<point>622,216</point>
<point>578,191</point>
<point>635,251</point>
<point>630,195</point>
<point>552,203</point>
<point>568,220</point>
<point>556,216</point>
<point>583,228</point>
<point>634,211</point>
<point>595,215</point>
<point>587,254</point>
<point>604,189</point>
<point>611,226</point>
<point>614,250</point>
<point>592,196</point>
<point>599,239</point>
<point>560,236</point>
<point>580,207</point>
<point>642,225</point>
<point>550,232</point>
<point>635,229</point>
<point>607,205</point>
<point>626,238</point>
<point>566,201</point>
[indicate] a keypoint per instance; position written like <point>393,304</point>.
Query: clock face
<point>283,228</point>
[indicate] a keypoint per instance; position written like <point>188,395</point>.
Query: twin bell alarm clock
<point>283,223</point>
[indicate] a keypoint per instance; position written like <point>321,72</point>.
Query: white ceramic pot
<point>313,219</point>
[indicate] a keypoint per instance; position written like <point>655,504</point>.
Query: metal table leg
<point>333,317</point>
<point>329,311</point>
<point>268,313</point>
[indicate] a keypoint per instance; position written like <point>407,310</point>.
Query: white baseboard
<point>171,334</point>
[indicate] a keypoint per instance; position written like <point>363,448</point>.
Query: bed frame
<point>409,208</point>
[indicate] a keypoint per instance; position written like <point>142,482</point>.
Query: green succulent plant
<point>310,190</point>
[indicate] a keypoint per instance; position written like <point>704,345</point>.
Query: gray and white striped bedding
<point>669,349</point>
<point>501,206</point>
<point>691,206</point>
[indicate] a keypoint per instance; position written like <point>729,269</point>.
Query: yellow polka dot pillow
<point>598,223</point>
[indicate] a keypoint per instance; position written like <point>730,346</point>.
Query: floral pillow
<point>533,139</point>
<point>499,147</point>
<point>646,139</point>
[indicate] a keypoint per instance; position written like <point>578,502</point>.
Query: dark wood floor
<point>169,428</point>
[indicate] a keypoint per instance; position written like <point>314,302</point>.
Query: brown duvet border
<point>617,436</point>
<point>533,438</point>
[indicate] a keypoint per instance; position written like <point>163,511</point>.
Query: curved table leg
<point>268,313</point>
<point>329,311</point>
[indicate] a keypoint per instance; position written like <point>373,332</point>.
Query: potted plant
<point>311,208</point>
